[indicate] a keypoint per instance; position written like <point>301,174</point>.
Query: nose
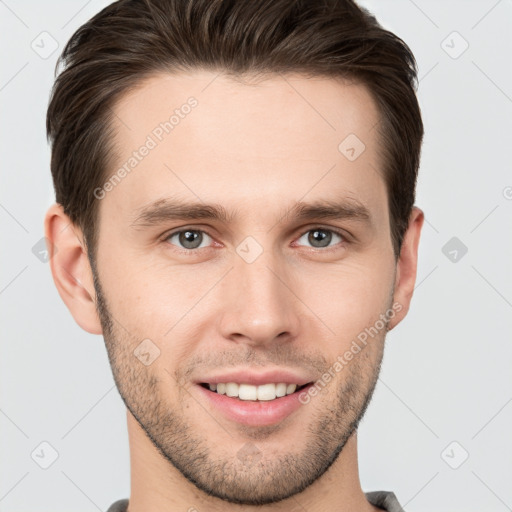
<point>259,305</point>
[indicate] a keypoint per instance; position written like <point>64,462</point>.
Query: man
<point>235,214</point>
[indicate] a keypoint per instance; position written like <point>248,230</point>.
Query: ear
<point>70,268</point>
<point>406,266</point>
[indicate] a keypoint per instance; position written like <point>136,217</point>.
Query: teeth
<point>248,392</point>
<point>231,389</point>
<point>291,389</point>
<point>281,389</point>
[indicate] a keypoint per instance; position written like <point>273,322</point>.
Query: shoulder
<point>385,500</point>
<point>119,506</point>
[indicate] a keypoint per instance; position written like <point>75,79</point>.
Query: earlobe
<point>407,266</point>
<point>70,268</point>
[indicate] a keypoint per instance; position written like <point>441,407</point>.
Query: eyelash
<point>191,252</point>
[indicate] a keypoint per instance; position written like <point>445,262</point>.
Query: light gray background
<point>447,369</point>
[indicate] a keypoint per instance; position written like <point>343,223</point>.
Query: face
<point>257,288</point>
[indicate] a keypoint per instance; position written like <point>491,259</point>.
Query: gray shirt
<point>382,499</point>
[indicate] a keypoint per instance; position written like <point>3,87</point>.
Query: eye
<point>189,238</point>
<point>321,237</point>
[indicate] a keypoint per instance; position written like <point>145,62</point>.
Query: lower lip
<point>255,413</point>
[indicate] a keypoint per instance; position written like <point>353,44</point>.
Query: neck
<point>157,486</point>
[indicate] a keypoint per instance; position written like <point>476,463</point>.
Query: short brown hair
<point>133,39</point>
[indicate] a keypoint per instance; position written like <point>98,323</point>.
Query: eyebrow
<point>168,209</point>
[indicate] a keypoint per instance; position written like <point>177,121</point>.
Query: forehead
<point>276,139</point>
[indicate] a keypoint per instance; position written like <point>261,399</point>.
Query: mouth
<point>250,393</point>
<point>254,406</point>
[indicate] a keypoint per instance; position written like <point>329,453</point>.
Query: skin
<point>256,149</point>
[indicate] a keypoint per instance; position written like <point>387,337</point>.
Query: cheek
<point>348,296</point>
<point>349,302</point>
<point>144,295</point>
<point>167,306</point>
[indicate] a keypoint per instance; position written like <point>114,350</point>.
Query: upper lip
<point>257,378</point>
